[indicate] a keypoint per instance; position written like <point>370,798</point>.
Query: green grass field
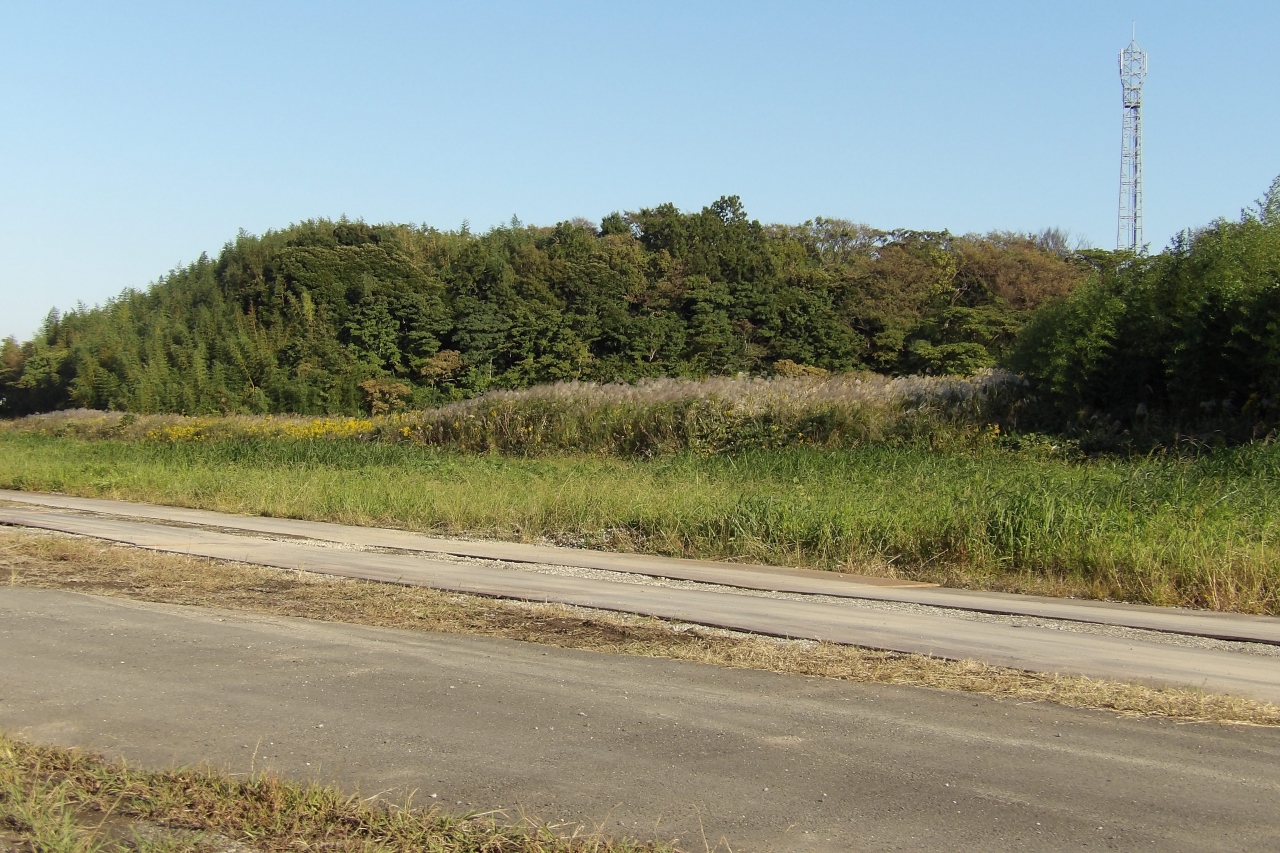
<point>1200,532</point>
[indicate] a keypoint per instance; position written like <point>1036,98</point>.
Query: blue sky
<point>135,136</point>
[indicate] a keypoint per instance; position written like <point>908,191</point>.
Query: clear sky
<point>135,136</point>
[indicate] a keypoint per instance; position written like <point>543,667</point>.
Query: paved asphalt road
<point>639,746</point>
<point>929,630</point>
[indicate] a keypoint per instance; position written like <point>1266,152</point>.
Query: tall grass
<point>648,419</point>
<point>1201,532</point>
<point>719,414</point>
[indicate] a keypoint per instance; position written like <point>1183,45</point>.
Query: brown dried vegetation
<point>56,800</point>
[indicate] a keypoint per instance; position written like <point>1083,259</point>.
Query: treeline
<point>342,317</point>
<point>1184,341</point>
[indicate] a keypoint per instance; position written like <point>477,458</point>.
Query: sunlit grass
<point>1200,532</point>
<point>64,801</point>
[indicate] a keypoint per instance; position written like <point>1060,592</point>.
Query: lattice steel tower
<point>1133,70</point>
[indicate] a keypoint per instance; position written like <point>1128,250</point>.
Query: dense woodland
<point>324,316</point>
<point>346,317</point>
<point>1188,339</point>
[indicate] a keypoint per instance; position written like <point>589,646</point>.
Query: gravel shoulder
<point>53,560</point>
<point>1066,646</point>
<point>1170,620</point>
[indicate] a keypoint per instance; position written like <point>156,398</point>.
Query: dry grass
<point>38,559</point>
<point>56,800</point>
<point>651,417</point>
<point>720,414</point>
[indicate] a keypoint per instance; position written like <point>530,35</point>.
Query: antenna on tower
<point>1133,71</point>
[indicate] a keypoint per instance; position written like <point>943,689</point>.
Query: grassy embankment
<point>969,511</point>
<point>63,801</point>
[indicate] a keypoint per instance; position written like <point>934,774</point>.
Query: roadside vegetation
<point>1012,515</point>
<point>1001,412</point>
<point>58,561</point>
<point>55,800</point>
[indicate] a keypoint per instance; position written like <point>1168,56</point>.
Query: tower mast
<point>1133,70</point>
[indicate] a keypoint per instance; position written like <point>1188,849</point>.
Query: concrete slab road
<point>1252,671</point>
<point>645,747</point>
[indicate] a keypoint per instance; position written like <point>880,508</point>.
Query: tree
<point>298,320</point>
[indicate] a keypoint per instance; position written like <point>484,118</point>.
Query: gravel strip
<point>1141,634</point>
<point>1019,621</point>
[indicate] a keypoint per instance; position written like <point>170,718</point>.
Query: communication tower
<point>1133,70</point>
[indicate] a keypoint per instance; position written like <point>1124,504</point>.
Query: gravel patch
<point>1019,621</point>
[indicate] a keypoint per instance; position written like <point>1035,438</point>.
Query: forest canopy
<point>340,317</point>
<point>1185,339</point>
<point>344,317</point>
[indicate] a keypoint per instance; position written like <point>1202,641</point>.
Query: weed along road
<point>632,745</point>
<point>1221,652</point>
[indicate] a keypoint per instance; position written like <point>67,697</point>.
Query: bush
<point>1187,340</point>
